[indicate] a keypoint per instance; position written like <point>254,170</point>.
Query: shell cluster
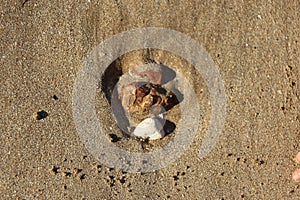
<point>145,100</point>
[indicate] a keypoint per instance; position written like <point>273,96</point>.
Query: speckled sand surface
<point>256,47</point>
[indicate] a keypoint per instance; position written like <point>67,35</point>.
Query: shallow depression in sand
<point>107,99</point>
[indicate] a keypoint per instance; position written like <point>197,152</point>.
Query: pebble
<point>40,115</point>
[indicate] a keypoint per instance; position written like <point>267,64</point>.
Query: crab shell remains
<point>136,90</point>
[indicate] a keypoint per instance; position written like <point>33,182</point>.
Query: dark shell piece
<point>151,98</point>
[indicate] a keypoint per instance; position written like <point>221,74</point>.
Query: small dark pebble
<point>122,180</point>
<point>55,97</point>
<point>114,137</point>
<point>54,169</point>
<point>67,174</point>
<point>81,177</point>
<point>110,169</point>
<point>40,115</point>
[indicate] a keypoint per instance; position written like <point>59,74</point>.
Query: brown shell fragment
<point>150,98</point>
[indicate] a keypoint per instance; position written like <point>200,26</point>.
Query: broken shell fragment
<point>150,128</point>
<point>150,95</point>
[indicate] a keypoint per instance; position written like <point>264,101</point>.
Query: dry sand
<point>255,46</point>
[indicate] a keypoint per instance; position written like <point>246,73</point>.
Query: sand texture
<point>255,46</point>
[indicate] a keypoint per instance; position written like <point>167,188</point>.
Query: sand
<point>255,46</point>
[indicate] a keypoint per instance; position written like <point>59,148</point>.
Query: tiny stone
<point>66,174</point>
<point>81,177</point>
<point>40,115</point>
<point>54,170</point>
<point>55,97</point>
<point>77,171</point>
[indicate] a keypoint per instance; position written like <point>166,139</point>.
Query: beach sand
<point>255,47</point>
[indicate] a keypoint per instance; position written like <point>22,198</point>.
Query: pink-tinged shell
<point>153,76</point>
<point>296,175</point>
<point>297,158</point>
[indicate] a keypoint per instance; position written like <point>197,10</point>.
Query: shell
<point>150,128</point>
<point>146,97</point>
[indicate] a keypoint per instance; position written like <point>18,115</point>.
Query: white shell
<point>150,128</point>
